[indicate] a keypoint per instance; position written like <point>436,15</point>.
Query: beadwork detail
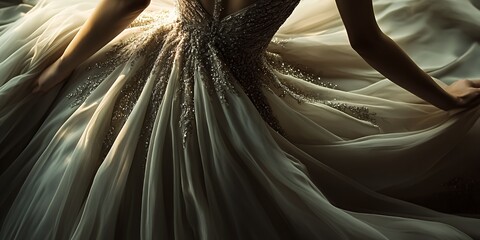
<point>227,54</point>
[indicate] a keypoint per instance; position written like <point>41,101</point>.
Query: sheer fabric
<point>260,125</point>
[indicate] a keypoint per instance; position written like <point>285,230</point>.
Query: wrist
<point>450,100</point>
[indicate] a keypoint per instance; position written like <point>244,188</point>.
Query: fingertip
<point>475,83</point>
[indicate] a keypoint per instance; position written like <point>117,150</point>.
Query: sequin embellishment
<point>227,54</point>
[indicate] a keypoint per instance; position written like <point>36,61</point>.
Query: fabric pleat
<point>261,127</point>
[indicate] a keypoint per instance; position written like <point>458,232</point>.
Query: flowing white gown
<point>252,126</point>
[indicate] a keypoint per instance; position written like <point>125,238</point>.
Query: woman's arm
<point>383,54</point>
<point>109,18</point>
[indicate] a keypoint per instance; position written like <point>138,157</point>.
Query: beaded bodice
<point>243,34</point>
<point>194,48</point>
<point>232,46</point>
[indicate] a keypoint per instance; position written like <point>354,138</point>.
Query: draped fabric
<point>263,124</point>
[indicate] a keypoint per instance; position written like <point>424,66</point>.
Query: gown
<point>263,124</point>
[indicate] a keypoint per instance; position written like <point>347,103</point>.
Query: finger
<point>475,102</point>
<point>34,87</point>
<point>475,99</point>
<point>472,94</point>
<point>38,88</point>
<point>475,83</point>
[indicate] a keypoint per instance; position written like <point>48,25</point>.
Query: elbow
<point>366,42</point>
<point>360,45</point>
<point>363,46</point>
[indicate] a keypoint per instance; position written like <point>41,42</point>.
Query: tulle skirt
<point>109,155</point>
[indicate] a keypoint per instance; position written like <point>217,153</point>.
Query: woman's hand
<point>465,92</point>
<point>52,76</point>
<point>383,54</point>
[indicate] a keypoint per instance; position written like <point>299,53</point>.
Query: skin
<point>109,18</point>
<point>383,54</point>
<point>377,49</point>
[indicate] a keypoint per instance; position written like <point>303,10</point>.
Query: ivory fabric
<point>263,124</point>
